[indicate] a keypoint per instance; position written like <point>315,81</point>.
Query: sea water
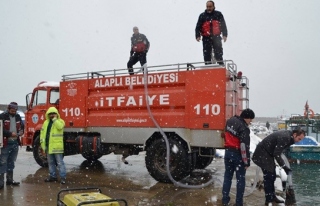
<point>306,183</point>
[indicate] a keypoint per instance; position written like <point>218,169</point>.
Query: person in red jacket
<point>210,26</point>
<point>12,130</point>
<point>237,155</point>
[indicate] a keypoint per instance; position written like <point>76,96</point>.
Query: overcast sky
<point>274,43</point>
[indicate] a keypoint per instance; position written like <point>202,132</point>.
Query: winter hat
<point>247,114</point>
<point>13,105</point>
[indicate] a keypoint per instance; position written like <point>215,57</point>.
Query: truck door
<point>42,99</point>
<point>36,115</point>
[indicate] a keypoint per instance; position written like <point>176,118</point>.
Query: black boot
<point>13,183</point>
<point>10,180</point>
<point>51,179</point>
<point>131,71</point>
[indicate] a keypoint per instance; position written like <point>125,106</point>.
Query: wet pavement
<point>117,180</point>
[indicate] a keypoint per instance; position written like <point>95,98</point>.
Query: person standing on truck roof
<point>210,26</point>
<point>139,49</point>
<point>12,130</point>
<point>237,155</point>
<point>270,149</point>
<point>51,140</point>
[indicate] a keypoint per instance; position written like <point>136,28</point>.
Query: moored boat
<point>307,150</point>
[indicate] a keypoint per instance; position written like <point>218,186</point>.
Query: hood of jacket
<point>52,110</point>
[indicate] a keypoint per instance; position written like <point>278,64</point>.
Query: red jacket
<point>237,134</point>
<point>211,24</point>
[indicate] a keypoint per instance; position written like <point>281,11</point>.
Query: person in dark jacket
<point>270,149</point>
<point>237,154</point>
<point>268,125</point>
<point>139,48</point>
<point>210,26</point>
<point>12,130</point>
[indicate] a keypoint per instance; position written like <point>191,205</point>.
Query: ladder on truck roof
<point>245,91</point>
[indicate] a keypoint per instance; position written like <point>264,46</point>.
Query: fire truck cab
<point>113,112</point>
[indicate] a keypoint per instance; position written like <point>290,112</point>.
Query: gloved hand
<point>287,169</point>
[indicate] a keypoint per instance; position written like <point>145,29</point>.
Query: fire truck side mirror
<point>57,103</point>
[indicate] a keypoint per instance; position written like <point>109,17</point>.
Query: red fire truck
<point>107,112</point>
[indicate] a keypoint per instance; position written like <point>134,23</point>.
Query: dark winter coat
<point>139,38</point>
<point>6,126</point>
<point>271,148</point>
<point>238,132</point>
<point>208,17</point>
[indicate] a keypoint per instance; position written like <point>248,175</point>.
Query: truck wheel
<point>180,164</point>
<point>91,157</point>
<point>202,162</point>
<point>39,155</point>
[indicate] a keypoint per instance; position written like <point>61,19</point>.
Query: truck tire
<point>91,157</point>
<point>89,147</point>
<point>38,154</point>
<point>180,164</point>
<point>203,162</point>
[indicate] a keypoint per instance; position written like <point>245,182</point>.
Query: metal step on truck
<point>107,112</point>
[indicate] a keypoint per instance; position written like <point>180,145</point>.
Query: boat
<point>307,150</point>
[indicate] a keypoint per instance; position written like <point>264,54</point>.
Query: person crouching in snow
<point>270,149</point>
